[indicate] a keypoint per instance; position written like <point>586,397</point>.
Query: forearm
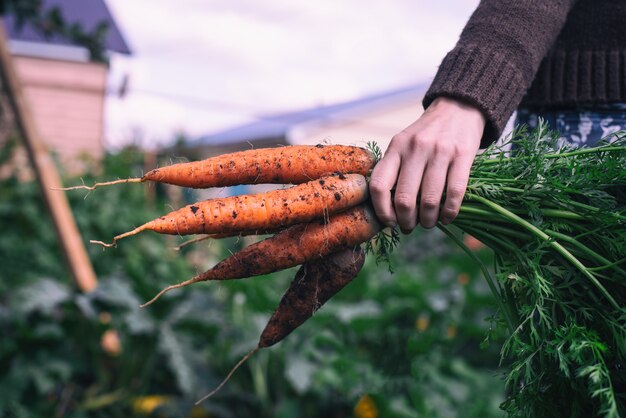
<point>497,56</point>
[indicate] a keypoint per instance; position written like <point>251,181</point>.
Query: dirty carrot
<point>293,246</point>
<point>314,284</point>
<point>293,164</point>
<point>269,210</point>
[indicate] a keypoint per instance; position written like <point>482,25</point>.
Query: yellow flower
<point>365,408</point>
<point>451,331</point>
<point>422,322</point>
<point>147,404</point>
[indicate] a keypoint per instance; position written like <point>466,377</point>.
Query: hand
<point>434,153</point>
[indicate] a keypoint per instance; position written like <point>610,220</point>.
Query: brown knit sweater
<point>540,53</point>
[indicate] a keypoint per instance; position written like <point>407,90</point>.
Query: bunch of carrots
<point>554,217</point>
<point>319,222</point>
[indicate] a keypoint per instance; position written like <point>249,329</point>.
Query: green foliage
<point>411,341</point>
<point>382,245</point>
<point>555,217</point>
<point>375,149</point>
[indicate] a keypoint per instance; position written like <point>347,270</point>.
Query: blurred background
<point>94,90</point>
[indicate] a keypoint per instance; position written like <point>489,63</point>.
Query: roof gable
<point>87,13</point>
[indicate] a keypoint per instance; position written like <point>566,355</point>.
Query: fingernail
<point>446,221</point>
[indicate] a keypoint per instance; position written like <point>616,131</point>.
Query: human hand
<point>434,153</point>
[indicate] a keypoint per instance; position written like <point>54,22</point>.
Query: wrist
<point>458,108</point>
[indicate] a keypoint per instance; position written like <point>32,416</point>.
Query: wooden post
<point>69,237</point>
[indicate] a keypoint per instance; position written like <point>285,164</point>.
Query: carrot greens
<point>555,217</point>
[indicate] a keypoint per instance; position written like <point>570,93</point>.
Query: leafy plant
<point>555,217</point>
<point>409,342</point>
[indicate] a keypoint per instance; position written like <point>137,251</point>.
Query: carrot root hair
<point>104,244</point>
<point>106,183</point>
<point>228,376</point>
<point>171,287</point>
<point>119,237</point>
<point>192,241</point>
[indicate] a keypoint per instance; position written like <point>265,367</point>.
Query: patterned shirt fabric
<point>583,127</point>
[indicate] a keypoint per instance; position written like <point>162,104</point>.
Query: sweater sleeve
<point>497,56</point>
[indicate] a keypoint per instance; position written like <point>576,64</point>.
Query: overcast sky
<point>202,65</point>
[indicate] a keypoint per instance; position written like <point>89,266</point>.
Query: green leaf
<point>177,350</point>
<point>41,296</point>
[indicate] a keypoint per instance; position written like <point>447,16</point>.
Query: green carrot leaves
<point>556,218</point>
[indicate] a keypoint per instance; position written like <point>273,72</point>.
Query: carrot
<point>293,246</point>
<point>269,210</point>
<point>292,164</point>
<point>314,284</point>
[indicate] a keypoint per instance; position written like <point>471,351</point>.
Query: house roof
<point>278,125</point>
<point>87,13</point>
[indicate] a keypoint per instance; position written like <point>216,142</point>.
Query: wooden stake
<point>47,175</point>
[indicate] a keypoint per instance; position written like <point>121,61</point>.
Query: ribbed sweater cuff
<point>483,78</point>
<point>570,78</point>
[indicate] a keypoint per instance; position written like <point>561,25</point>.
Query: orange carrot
<point>292,164</point>
<point>293,246</point>
<point>314,284</point>
<point>270,210</point>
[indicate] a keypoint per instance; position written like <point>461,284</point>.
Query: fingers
<point>420,179</point>
<point>407,188</point>
<point>410,164</point>
<point>458,175</point>
<point>433,185</point>
<point>431,156</point>
<point>382,180</point>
